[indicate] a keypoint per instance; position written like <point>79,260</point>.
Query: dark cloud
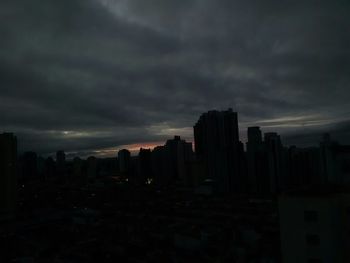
<point>86,75</point>
<point>339,132</point>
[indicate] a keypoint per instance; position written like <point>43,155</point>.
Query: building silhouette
<point>50,167</point>
<point>274,150</point>
<point>303,167</point>
<point>124,161</point>
<point>144,172</point>
<point>335,161</point>
<point>61,168</point>
<point>91,168</point>
<point>178,153</point>
<point>8,174</point>
<point>217,146</point>
<point>159,166</point>
<point>77,168</point>
<point>171,162</point>
<point>256,162</point>
<point>29,166</point>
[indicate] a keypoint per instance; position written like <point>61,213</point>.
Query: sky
<point>94,76</point>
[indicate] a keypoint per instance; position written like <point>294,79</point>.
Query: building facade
<point>217,145</point>
<point>8,174</point>
<point>124,158</point>
<point>315,228</point>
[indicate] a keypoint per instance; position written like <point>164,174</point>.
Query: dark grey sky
<point>95,75</point>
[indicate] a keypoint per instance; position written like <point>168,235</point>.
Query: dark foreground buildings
<point>124,160</point>
<point>8,178</point>
<point>221,203</point>
<point>170,162</point>
<point>266,167</point>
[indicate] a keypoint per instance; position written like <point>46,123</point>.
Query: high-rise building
<point>124,161</point>
<point>254,136</point>
<point>61,163</point>
<point>335,161</point>
<point>50,167</point>
<point>172,162</point>
<point>29,166</point>
<point>178,152</point>
<point>274,149</point>
<point>41,168</point>
<point>256,159</point>
<point>77,170</point>
<point>217,145</point>
<point>144,166</point>
<point>91,168</point>
<point>159,166</point>
<point>8,174</point>
<point>303,167</point>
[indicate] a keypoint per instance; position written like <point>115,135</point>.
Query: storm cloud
<point>88,75</point>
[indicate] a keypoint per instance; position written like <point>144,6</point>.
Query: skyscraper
<point>177,152</point>
<point>273,146</point>
<point>61,163</point>
<point>159,166</point>
<point>170,163</point>
<point>77,167</point>
<point>256,160</point>
<point>124,161</point>
<point>334,163</point>
<point>217,145</point>
<point>29,166</point>
<point>144,166</point>
<point>8,176</point>
<point>91,168</point>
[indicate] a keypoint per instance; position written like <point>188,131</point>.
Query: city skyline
<point>263,165</point>
<point>91,75</point>
<point>250,196</point>
<point>134,148</point>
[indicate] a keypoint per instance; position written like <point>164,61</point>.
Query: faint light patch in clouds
<point>295,126</point>
<point>81,134</point>
<point>298,121</point>
<point>99,153</point>
<point>239,71</point>
<point>164,129</point>
<point>122,10</point>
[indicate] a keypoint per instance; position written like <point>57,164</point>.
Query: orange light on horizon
<point>134,148</point>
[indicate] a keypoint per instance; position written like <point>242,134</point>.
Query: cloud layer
<point>83,75</point>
